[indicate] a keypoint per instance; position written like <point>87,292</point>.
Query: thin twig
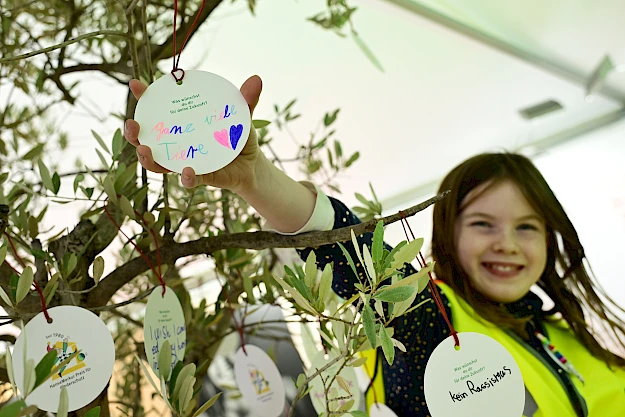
<point>64,44</point>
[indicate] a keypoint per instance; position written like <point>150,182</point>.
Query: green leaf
<point>358,413</point>
<point>46,179</point>
<point>377,246</point>
<point>248,286</point>
<point>187,371</point>
<point>62,365</point>
<point>105,163</point>
<point>405,255</point>
<point>29,376</point>
<point>79,178</point>
<point>9,365</point>
<point>325,284</point>
<point>395,295</point>
<point>387,346</point>
<point>297,297</point>
<point>146,372</point>
<point>126,207</point>
<point>94,412</point>
<point>352,159</point>
<point>368,321</point>
<point>311,269</point>
<point>164,361</point>
<point>5,297</point>
<point>259,124</point>
<point>34,152</point>
<point>379,308</point>
<point>358,362</point>
<point>330,118</point>
<point>13,285</point>
<point>186,393</point>
<point>43,368</point>
<point>367,51</point>
<point>63,403</point>
<point>123,180</point>
<point>208,404</point>
<point>98,268</point>
<point>3,254</point>
<point>356,248</point>
<point>118,143</point>
<point>23,285</point>
<point>370,268</point>
<point>109,189</point>
<point>349,258</point>
<point>3,177</point>
<point>13,409</point>
<point>174,375</point>
<point>338,150</point>
<point>72,261</point>
<point>301,379</point>
<point>56,182</point>
<point>101,142</point>
<point>50,284</point>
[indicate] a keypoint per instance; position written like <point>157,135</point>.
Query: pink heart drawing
<point>221,136</point>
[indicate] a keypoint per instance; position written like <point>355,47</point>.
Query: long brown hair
<point>566,278</point>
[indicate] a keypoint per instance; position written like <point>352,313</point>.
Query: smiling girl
<point>500,232</point>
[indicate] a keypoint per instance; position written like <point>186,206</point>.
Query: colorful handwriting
<point>227,112</point>
<point>174,130</point>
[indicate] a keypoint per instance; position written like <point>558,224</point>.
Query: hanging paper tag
<point>481,379</point>
<point>259,381</point>
<point>164,320</point>
<point>73,329</point>
<point>337,390</point>
<point>202,123</point>
<point>380,410</point>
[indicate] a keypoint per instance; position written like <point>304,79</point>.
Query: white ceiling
<point>443,96</point>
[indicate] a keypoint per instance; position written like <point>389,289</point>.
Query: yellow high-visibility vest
<point>603,390</point>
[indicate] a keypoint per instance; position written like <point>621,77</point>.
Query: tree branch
<point>64,44</point>
<point>249,240</point>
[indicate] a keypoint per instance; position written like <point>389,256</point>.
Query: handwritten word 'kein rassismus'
<point>475,389</point>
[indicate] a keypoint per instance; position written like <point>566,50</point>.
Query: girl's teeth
<point>504,268</point>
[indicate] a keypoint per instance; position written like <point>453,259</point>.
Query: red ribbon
<point>177,59</point>
<point>431,284</point>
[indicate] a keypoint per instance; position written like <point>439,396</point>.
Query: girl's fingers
<point>144,154</point>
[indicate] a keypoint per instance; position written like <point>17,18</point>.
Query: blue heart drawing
<point>235,135</point>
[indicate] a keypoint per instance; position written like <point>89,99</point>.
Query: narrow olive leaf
<point>356,248</point>
<point>343,384</point>
<point>9,365</point>
<point>395,295</point>
<point>43,368</point>
<point>412,280</point>
<point>50,284</point>
<point>399,345</point>
<point>208,404</point>
<point>259,124</point>
<point>248,286</point>
<point>24,283</point>
<point>63,403</point>
<point>71,263</point>
<point>368,321</point>
<point>79,178</point>
<point>325,285</point>
<point>346,406</point>
<point>185,389</point>
<point>377,246</point>
<point>118,143</point>
<point>147,374</point>
<point>51,293</point>
<point>109,189</point>
<point>311,270</point>
<point>101,142</point>
<point>301,379</point>
<point>367,51</point>
<point>98,268</point>
<point>46,179</point>
<point>406,254</point>
<point>3,254</point>
<point>379,308</point>
<point>358,362</point>
<point>164,394</point>
<point>297,297</point>
<point>164,360</point>
<point>387,346</point>
<point>94,412</point>
<point>369,265</point>
<point>188,370</point>
<point>5,297</point>
<point>126,207</point>
<point>349,258</point>
<point>357,413</point>
<point>29,377</point>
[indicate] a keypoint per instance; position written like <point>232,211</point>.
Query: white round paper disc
<point>380,410</point>
<point>202,123</point>
<point>164,320</point>
<point>317,395</point>
<point>482,379</point>
<point>72,329</point>
<point>259,381</point>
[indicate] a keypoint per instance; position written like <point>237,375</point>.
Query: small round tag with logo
<point>74,333</point>
<point>259,381</point>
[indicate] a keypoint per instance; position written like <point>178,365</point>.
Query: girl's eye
<point>481,223</point>
<point>527,226</point>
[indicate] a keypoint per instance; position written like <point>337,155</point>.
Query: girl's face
<point>501,242</point>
